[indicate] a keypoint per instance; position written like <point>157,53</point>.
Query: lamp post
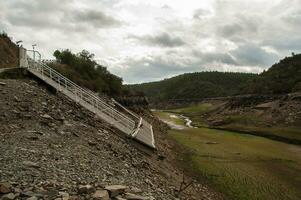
<point>19,55</point>
<point>34,53</point>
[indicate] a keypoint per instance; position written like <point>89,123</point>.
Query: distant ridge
<point>196,85</point>
<point>282,77</point>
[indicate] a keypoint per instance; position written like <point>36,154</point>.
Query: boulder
<point>131,196</point>
<point>46,116</point>
<point>115,190</point>
<point>64,195</point>
<point>32,198</point>
<point>101,195</point>
<point>84,189</point>
<point>9,196</point>
<point>5,188</point>
<point>31,164</point>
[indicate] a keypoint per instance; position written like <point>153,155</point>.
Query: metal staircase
<point>127,122</point>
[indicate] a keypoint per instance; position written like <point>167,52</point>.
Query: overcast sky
<point>144,40</point>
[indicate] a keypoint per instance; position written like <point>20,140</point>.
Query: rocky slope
<point>8,52</point>
<point>51,148</point>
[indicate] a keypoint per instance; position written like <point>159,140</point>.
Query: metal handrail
<point>81,93</point>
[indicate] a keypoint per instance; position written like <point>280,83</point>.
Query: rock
<point>131,196</point>
<point>5,188</point>
<point>91,143</point>
<point>32,198</point>
<point>46,116</point>
<point>64,195</point>
<point>17,99</point>
<point>119,198</point>
<point>84,189</point>
<point>135,190</point>
<point>10,196</point>
<point>1,83</point>
<point>101,195</point>
<point>31,164</point>
<point>116,189</point>
<point>32,137</point>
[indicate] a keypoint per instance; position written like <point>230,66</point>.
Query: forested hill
<point>195,86</point>
<point>283,77</point>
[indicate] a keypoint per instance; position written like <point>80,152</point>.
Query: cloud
<point>253,55</point>
<point>160,38</point>
<point>163,40</point>
<point>96,18</point>
<point>201,13</point>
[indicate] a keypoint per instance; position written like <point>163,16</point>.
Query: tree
<point>86,55</point>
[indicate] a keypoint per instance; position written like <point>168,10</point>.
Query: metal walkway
<point>127,122</point>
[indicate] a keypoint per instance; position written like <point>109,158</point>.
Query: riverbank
<point>240,166</point>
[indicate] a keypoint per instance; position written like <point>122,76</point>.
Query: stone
<point>31,164</point>
<point>101,195</point>
<point>10,196</point>
<point>119,198</point>
<point>64,195</point>
<point>32,198</point>
<point>46,116</point>
<point>84,189</point>
<point>5,188</point>
<point>2,83</point>
<point>91,143</point>
<point>116,189</point>
<point>131,196</point>
<point>135,190</point>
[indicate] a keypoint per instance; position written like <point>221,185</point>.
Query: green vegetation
<point>3,34</point>
<point>292,133</point>
<point>243,166</point>
<point>195,112</point>
<point>244,122</point>
<point>283,77</point>
<point>168,116</point>
<point>195,86</point>
<point>82,69</point>
<point>199,108</point>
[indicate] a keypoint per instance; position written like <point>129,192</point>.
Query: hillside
<point>8,52</point>
<point>195,86</point>
<point>53,148</point>
<point>83,70</point>
<point>282,77</point>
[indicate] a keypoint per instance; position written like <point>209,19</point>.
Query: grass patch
<point>243,166</point>
<point>197,108</point>
<point>293,133</point>
<point>195,112</point>
<point>171,117</point>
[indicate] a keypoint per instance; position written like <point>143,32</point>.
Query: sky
<point>144,41</point>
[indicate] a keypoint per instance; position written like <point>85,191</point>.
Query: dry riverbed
<point>240,166</point>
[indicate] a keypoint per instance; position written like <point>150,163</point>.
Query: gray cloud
<point>207,58</point>
<point>57,14</point>
<point>229,35</point>
<point>201,13</point>
<point>253,55</point>
<point>96,18</point>
<point>163,40</point>
<point>230,30</point>
<point>293,18</point>
<point>285,43</point>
